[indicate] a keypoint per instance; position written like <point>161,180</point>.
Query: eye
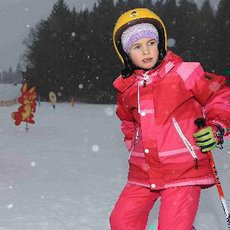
<point>136,47</point>
<point>152,42</point>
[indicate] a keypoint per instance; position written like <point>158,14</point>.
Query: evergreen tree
<point>186,29</point>
<point>11,77</point>
<point>4,76</point>
<point>133,4</point>
<point>18,75</point>
<point>101,53</point>
<point>119,8</point>
<point>147,4</point>
<point>170,16</point>
<point>49,53</point>
<point>221,32</point>
<point>206,38</point>
<point>72,54</point>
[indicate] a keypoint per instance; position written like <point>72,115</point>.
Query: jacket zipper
<point>145,78</point>
<point>135,142</point>
<point>186,142</point>
<point>143,82</point>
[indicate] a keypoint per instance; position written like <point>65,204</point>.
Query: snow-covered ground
<point>67,172</point>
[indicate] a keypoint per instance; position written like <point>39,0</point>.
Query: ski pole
<point>200,122</point>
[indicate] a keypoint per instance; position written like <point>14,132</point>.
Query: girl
<point>159,96</point>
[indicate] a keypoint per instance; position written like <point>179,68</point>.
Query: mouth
<point>147,60</point>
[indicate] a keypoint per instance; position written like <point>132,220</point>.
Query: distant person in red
<point>159,96</point>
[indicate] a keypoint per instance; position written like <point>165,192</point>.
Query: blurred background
<point>66,46</point>
<point>63,166</point>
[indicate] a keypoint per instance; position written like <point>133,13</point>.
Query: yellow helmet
<point>133,17</point>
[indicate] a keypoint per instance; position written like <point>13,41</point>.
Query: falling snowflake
<point>9,206</point>
<point>33,164</point>
<point>109,111</point>
<point>171,42</point>
<point>95,148</point>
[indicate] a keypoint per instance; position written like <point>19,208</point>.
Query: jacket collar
<point>169,61</point>
<point>121,84</point>
<point>166,65</point>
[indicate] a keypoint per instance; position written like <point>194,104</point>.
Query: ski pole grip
<point>200,122</point>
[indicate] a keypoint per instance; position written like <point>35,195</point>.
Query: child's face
<point>144,53</point>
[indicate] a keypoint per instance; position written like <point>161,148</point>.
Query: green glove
<point>205,139</point>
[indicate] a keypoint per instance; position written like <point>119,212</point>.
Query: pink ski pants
<point>177,209</point>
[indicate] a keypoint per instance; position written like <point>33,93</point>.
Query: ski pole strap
<point>219,135</point>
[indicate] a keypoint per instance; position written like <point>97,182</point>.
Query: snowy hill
<point>68,170</point>
<point>9,91</point>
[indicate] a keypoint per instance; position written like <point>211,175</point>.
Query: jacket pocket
<point>186,142</point>
<point>134,142</point>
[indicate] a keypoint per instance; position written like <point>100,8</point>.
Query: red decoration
<point>28,106</point>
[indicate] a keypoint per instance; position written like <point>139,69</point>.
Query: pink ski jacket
<point>158,109</point>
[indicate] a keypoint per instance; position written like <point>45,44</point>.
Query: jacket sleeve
<point>127,121</point>
<point>212,92</point>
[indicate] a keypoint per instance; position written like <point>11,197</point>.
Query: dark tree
<point>10,76</point>
<point>49,53</point>
<point>206,38</point>
<point>72,53</point>
<point>221,33</point>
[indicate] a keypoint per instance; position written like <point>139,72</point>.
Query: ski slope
<point>66,173</point>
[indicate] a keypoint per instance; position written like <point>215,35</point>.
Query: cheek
<point>135,57</point>
<point>156,53</point>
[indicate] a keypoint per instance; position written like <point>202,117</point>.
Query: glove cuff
<point>218,132</point>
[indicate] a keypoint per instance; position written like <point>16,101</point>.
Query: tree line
<point>72,54</point>
<point>11,76</point>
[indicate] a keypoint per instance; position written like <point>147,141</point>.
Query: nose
<point>146,50</point>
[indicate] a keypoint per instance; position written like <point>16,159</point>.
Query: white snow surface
<point>68,170</point>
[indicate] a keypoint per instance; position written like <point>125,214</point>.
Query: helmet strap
<point>129,67</point>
